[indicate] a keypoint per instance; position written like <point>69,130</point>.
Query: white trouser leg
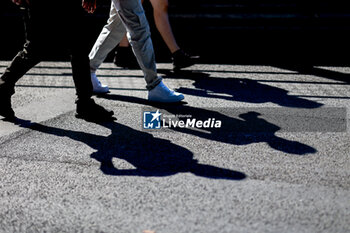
<point>127,14</point>
<point>110,36</point>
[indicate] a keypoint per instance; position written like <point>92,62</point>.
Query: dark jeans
<point>52,27</point>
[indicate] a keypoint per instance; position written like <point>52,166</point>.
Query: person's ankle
<point>178,51</point>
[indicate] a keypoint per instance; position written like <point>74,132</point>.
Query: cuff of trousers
<point>154,83</point>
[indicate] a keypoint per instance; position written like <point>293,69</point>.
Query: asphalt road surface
<point>279,162</point>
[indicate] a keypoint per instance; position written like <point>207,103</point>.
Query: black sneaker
<point>125,58</point>
<point>89,110</point>
<point>5,107</point>
<point>182,60</point>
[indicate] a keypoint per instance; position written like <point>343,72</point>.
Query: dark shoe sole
<point>179,67</point>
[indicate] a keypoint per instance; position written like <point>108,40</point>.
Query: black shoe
<point>182,60</point>
<point>125,58</point>
<point>89,110</point>
<point>5,107</point>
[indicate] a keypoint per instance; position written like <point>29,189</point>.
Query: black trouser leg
<point>81,75</point>
<point>21,63</point>
<point>76,28</point>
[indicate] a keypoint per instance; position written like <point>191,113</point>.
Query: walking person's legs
<point>139,36</point>
<point>21,63</point>
<point>132,16</point>
<point>161,19</point>
<point>110,35</point>
<point>79,51</point>
<point>39,44</point>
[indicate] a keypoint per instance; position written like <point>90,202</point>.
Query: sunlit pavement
<point>60,173</point>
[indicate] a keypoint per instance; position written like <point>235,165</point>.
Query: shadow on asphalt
<point>320,72</point>
<point>151,156</point>
<point>246,130</point>
<point>236,89</point>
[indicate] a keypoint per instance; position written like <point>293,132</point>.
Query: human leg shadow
<point>238,89</point>
<point>151,156</point>
<point>248,128</point>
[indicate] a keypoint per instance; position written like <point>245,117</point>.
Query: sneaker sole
<point>162,101</point>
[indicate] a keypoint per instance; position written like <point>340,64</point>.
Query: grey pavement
<point>279,164</point>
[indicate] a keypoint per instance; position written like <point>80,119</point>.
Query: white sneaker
<point>161,93</point>
<point>98,88</point>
